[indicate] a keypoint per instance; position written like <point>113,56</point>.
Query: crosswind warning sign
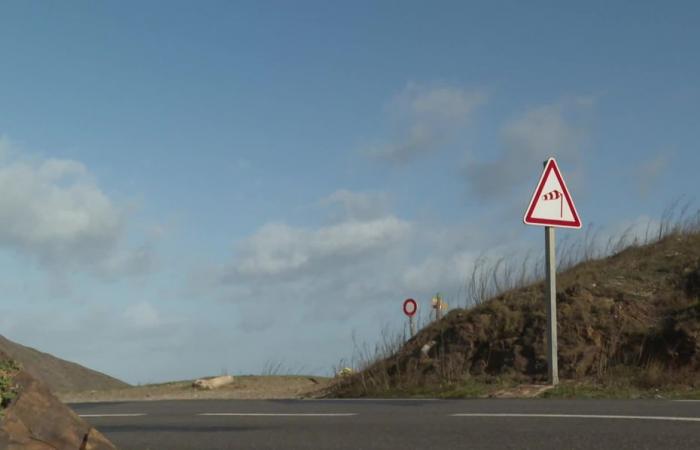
<point>551,205</point>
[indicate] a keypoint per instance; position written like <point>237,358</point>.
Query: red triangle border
<point>528,219</point>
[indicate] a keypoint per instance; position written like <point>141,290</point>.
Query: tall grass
<point>493,276</point>
<point>367,356</point>
<point>279,368</point>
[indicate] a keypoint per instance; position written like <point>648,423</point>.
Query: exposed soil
<point>637,309</point>
<point>243,387</point>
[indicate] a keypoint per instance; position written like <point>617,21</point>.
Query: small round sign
<point>410,307</point>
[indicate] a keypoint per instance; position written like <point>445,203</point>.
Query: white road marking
<point>582,416</point>
<point>372,399</point>
<point>280,414</point>
<point>113,415</point>
<point>688,400</point>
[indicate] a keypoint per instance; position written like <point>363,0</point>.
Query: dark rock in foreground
<point>36,420</point>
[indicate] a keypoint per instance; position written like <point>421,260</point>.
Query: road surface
<point>397,424</point>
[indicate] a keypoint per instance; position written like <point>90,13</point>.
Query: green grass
<point>8,390</point>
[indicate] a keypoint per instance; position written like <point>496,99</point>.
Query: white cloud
<point>361,261</point>
<point>424,120</point>
<point>529,139</point>
<point>53,211</point>
<point>279,249</point>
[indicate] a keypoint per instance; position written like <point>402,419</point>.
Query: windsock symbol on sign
<point>543,209</point>
<point>556,195</point>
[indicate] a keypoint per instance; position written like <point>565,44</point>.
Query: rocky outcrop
<point>36,420</point>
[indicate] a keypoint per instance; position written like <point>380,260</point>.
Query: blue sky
<point>193,187</point>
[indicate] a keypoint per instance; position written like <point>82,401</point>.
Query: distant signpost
<point>410,307</point>
<point>552,206</point>
<point>439,305</point>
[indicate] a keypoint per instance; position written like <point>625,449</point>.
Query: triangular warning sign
<point>551,205</point>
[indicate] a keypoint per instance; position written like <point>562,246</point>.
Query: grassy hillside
<point>58,374</point>
<point>633,315</point>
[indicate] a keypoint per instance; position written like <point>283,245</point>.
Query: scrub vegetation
<point>628,316</point>
<point>8,389</point>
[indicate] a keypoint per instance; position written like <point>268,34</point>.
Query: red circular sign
<point>410,307</point>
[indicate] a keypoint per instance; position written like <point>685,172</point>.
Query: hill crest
<point>58,374</point>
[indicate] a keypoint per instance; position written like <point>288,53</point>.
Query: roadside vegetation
<point>628,312</point>
<point>8,389</point>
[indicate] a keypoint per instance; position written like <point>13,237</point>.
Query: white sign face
<point>551,204</point>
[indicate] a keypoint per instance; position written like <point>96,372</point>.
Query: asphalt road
<point>397,424</point>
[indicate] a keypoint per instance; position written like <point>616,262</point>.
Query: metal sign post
<point>551,305</point>
<point>409,308</point>
<point>437,305</point>
<point>551,206</point>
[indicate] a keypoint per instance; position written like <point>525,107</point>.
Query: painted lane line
<point>280,414</point>
<point>372,400</point>
<point>582,416</point>
<point>686,400</point>
<point>113,415</point>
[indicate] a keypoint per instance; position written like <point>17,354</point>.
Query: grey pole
<point>438,309</point>
<point>551,302</point>
<point>412,323</point>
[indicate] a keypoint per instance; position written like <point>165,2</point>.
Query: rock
<point>425,350</point>
<point>37,420</point>
<point>212,383</point>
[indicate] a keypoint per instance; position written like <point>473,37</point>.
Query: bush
<point>8,389</point>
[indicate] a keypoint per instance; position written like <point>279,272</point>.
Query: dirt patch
<point>523,391</point>
<point>243,387</point>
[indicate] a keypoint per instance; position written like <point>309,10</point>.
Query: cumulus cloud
<point>527,140</point>
<point>278,249</point>
<point>365,258</point>
<point>53,211</point>
<point>424,119</point>
<point>314,273</point>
